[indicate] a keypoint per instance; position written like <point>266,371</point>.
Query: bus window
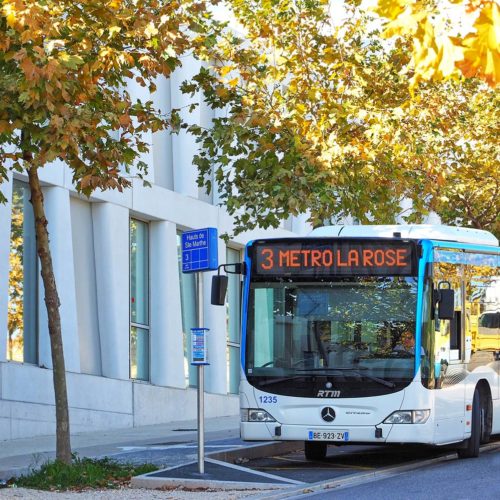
<point>449,341</point>
<point>483,292</point>
<point>337,329</point>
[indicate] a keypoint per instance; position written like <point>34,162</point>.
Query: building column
<point>57,210</point>
<point>111,251</point>
<point>5,216</point>
<point>138,92</point>
<point>300,224</point>
<point>162,140</point>
<point>215,319</point>
<point>167,349</point>
<point>184,144</point>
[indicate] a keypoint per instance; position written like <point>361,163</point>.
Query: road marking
<point>177,446</point>
<point>257,473</point>
<point>289,468</point>
<point>285,459</point>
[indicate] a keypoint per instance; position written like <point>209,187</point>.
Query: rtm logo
<point>328,394</point>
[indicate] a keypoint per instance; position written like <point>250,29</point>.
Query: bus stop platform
<point>222,470</point>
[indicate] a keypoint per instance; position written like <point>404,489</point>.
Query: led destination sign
<point>334,258</point>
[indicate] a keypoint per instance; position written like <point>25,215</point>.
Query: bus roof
<point>410,231</point>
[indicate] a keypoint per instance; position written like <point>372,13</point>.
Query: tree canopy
<point>449,37</point>
<point>64,67</point>
<point>317,117</point>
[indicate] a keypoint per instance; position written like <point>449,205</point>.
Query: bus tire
<point>470,447</point>
<point>486,417</point>
<point>315,450</point>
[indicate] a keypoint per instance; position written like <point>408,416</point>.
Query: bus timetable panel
<point>315,257</point>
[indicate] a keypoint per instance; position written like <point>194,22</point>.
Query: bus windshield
<point>354,336</point>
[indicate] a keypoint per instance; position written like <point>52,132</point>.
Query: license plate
<point>328,436</point>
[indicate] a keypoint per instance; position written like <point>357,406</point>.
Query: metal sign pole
<point>201,384</point>
<point>199,254</point>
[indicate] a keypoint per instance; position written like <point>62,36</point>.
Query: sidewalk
<point>20,455</point>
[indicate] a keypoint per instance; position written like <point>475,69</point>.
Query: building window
<point>233,321</point>
<point>22,341</point>
<point>139,300</point>
<point>189,308</point>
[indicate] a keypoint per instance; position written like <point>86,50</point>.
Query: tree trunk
<point>63,445</point>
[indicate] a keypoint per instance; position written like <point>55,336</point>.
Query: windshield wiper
<point>357,371</point>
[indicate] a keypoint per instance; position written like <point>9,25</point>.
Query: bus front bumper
<point>381,433</point>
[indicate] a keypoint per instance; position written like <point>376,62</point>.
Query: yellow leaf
<point>9,12</point>
<point>448,55</point>
<point>482,49</point>
<point>225,70</point>
<point>301,108</point>
<point>390,8</point>
<point>113,30</point>
<point>247,101</point>
<point>150,30</point>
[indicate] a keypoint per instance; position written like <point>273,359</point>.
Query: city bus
<point>371,334</point>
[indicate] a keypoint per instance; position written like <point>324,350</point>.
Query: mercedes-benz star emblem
<point>328,414</point>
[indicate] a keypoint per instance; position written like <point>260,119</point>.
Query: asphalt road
<point>477,478</point>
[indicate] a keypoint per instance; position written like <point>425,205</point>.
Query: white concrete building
<point>125,308</point>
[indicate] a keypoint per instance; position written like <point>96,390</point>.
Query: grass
<point>83,473</point>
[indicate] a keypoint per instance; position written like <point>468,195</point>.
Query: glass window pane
<point>23,280</point>
<point>139,269</point>
<point>483,308</point>
<point>139,353</point>
<point>233,321</point>
<point>233,369</point>
<point>233,299</point>
<point>189,316</point>
<point>298,326</point>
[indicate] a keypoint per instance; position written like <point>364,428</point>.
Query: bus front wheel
<point>470,447</point>
<point>315,450</point>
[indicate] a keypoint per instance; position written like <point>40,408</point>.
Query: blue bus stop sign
<point>199,250</point>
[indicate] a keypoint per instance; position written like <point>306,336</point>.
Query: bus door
<point>449,355</point>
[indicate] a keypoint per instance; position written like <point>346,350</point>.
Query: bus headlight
<point>255,415</point>
<point>408,417</point>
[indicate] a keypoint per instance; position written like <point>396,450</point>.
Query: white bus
<point>371,334</point>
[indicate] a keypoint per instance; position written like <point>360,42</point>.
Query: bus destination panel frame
<point>338,258</point>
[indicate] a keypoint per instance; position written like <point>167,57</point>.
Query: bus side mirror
<point>446,300</point>
<point>219,288</point>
